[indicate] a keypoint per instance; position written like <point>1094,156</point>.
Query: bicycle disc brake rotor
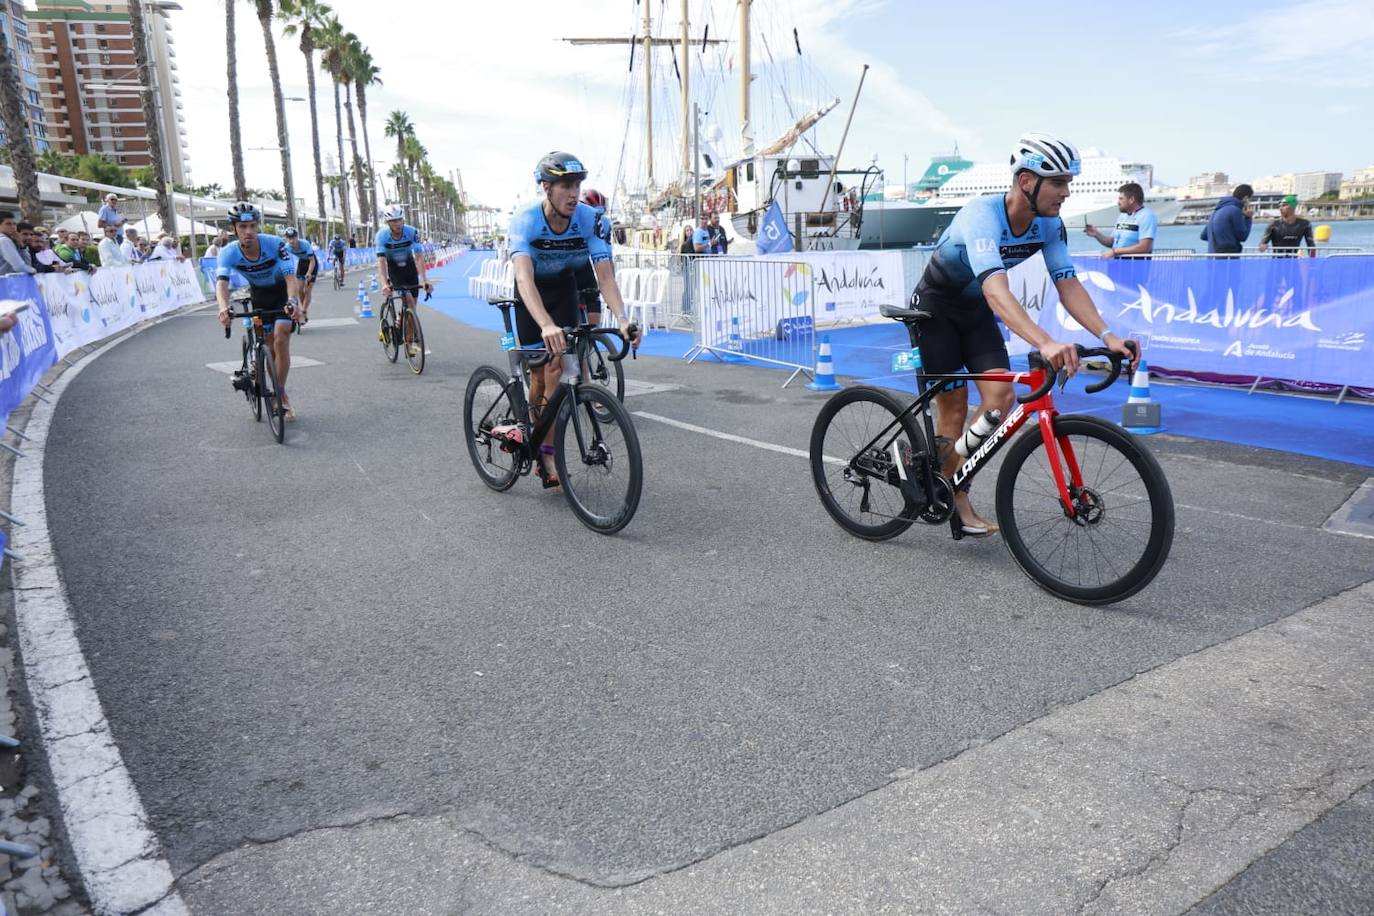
<point>1089,508</point>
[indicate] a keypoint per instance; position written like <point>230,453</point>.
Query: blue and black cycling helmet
<point>559,166</point>
<point>244,212</point>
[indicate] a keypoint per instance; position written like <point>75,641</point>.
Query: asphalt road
<point>344,674</point>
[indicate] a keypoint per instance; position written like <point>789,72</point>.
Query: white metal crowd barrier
<point>496,278</point>
<point>750,310</point>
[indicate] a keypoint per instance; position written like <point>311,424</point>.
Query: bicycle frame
<point>929,386</point>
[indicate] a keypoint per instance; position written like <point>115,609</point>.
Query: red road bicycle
<point>1085,510</point>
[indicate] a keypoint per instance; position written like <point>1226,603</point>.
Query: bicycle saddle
<point>902,314</point>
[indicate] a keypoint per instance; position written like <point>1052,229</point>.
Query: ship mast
<point>746,129</point>
<point>687,168</point>
<point>649,94</point>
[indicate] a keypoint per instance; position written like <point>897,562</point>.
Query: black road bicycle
<point>404,333</point>
<point>338,273</point>
<point>1085,510</point>
<point>257,376</point>
<point>595,447</point>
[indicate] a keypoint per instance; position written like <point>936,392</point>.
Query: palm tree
<point>232,80</point>
<point>348,59</point>
<point>398,125</point>
<point>330,41</point>
<point>305,16</point>
<point>17,139</point>
<point>150,119</point>
<point>414,153</point>
<point>364,75</point>
<point>265,14</point>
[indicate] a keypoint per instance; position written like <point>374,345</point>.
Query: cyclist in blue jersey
<point>400,259</point>
<point>307,267</point>
<point>586,276</point>
<point>965,285</point>
<point>550,241</point>
<point>338,248</point>
<point>263,261</point>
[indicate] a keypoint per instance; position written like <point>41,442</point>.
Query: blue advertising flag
<point>773,236</point>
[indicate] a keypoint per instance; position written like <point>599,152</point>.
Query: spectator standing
<point>686,248</point>
<point>45,260</point>
<point>110,250</point>
<point>109,215</point>
<point>25,244</point>
<point>352,241</point>
<point>129,247</point>
<point>1229,225</point>
<point>720,243</point>
<point>11,261</point>
<point>1136,226</point>
<point>1289,232</point>
<point>89,249</point>
<point>701,238</point>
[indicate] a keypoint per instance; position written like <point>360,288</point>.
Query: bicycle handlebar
<point>610,333</point>
<point>249,313</point>
<point>1037,361</point>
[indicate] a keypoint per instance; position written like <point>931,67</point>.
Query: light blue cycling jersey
<point>552,252</point>
<point>399,249</point>
<point>271,266</point>
<point>979,242</point>
<point>1132,227</point>
<point>306,249</point>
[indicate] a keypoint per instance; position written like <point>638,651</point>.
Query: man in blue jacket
<point>1229,225</point>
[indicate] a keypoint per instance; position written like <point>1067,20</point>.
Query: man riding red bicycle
<point>964,289</point>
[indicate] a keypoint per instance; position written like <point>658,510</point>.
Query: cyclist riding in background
<point>550,241</point>
<point>337,249</point>
<point>400,258</point>
<point>307,267</point>
<point>263,261</point>
<point>965,284</point>
<point>586,276</point>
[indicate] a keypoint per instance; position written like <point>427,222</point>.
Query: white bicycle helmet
<point>1045,155</point>
<point>393,212</point>
<point>244,212</point>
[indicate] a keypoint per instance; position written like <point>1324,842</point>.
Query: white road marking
<point>634,386</point>
<point>117,853</point>
<point>297,362</point>
<point>316,323</point>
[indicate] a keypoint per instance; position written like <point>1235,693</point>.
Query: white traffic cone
<point>375,287</point>
<point>367,304</point>
<point>1141,415</point>
<point>825,369</point>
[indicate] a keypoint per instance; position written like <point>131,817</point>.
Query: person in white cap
<point>109,215</point>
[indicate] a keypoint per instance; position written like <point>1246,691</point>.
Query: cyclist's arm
<point>529,292</point>
<point>1080,305</point>
<point>997,291</point>
<point>222,297</point>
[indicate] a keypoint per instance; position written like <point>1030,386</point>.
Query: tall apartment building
<point>1359,185</point>
<point>1275,184</point>
<point>21,50</point>
<point>1310,185</point>
<point>89,81</point>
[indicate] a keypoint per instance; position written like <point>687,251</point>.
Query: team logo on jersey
<point>985,246</point>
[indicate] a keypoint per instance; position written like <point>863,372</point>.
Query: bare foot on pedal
<point>974,525</point>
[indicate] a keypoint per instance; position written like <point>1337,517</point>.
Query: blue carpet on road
<point>1303,425</point>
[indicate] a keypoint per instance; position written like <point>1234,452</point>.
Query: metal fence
<point>751,310</point>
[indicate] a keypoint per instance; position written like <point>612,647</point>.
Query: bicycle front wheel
<point>853,465</point>
<point>1123,522</point>
<point>596,452</point>
<point>414,339</point>
<point>486,405</point>
<point>390,333</point>
<point>251,392</point>
<point>271,393</point>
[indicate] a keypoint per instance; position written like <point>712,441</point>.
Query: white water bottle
<point>975,434</point>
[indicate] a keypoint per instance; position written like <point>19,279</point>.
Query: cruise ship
<point>919,220</point>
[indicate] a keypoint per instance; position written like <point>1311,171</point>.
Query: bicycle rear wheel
<point>604,371</point>
<point>596,452</point>
<point>487,404</point>
<point>413,338</point>
<point>1123,523</point>
<point>271,393</point>
<point>391,345</point>
<point>859,484</point>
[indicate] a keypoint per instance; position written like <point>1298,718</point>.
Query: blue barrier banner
<point>1308,319</point>
<point>27,351</point>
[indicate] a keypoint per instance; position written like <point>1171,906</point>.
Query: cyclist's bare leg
<point>408,302</point>
<point>549,377</point>
<point>306,290</point>
<point>951,419</point>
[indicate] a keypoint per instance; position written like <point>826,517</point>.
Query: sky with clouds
<point>1250,88</point>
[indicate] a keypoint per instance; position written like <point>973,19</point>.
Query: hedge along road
<point>343,673</point>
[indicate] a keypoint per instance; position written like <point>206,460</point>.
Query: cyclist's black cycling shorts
<point>960,334</point>
<point>560,297</point>
<point>404,276</point>
<point>587,291</point>
<point>272,298</point>
<point>305,268</point>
